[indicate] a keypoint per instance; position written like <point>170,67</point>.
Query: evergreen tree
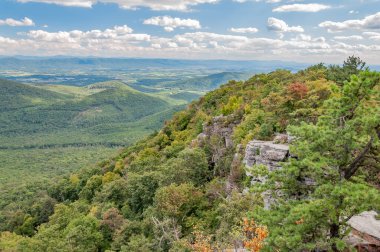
<point>352,66</point>
<point>319,191</point>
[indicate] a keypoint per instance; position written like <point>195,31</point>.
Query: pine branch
<point>354,166</point>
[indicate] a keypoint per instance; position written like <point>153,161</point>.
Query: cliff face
<point>218,134</point>
<point>267,153</point>
<point>365,233</point>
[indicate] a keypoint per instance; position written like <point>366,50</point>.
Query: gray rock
<point>265,153</point>
<point>219,132</point>
<point>366,223</point>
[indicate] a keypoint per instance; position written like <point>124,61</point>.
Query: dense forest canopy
<point>186,188</point>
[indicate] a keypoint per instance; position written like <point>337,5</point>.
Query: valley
<point>52,130</point>
<point>60,115</point>
<point>176,161</point>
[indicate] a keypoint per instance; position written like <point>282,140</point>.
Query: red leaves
<point>298,90</point>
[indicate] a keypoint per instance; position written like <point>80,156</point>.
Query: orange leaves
<point>300,221</point>
<point>254,235</point>
<point>202,242</point>
<point>251,235</point>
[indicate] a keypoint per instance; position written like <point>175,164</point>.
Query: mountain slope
<point>39,110</point>
<point>48,131</point>
<point>186,187</point>
<point>16,95</point>
<point>207,83</point>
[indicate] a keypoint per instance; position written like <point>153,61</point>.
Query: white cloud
<point>74,3</point>
<point>117,34</point>
<point>313,7</point>
<point>122,41</point>
<point>369,22</point>
<point>170,23</point>
<point>12,22</point>
<point>179,5</point>
<point>372,35</point>
<point>279,25</point>
<point>244,30</point>
<point>304,37</point>
<point>352,37</point>
<point>267,1</point>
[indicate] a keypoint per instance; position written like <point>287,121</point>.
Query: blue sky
<point>296,30</point>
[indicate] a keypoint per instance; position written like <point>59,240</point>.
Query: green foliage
<point>160,192</point>
<point>178,201</point>
<point>138,243</point>
<point>205,83</point>
<point>140,191</point>
<point>352,66</point>
<point>83,234</point>
<point>322,179</point>
<point>234,103</point>
<point>50,131</point>
<point>190,165</point>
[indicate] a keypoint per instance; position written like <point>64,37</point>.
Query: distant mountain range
<point>23,63</point>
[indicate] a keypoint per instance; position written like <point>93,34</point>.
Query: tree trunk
<point>334,233</point>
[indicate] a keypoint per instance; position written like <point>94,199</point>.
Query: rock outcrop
<point>365,234</point>
<point>265,153</point>
<point>270,154</point>
<point>217,137</point>
<point>218,134</point>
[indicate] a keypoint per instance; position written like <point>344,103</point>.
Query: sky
<point>288,30</point>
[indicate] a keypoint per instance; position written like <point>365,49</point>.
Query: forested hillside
<point>47,131</point>
<point>192,186</point>
<point>30,110</point>
<point>204,83</point>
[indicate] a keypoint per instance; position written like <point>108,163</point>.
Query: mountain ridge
<point>186,187</point>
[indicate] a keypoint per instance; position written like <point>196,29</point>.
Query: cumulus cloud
<point>73,3</point>
<point>244,30</point>
<point>280,26</point>
<point>304,37</point>
<point>267,1</point>
<point>313,7</point>
<point>179,5</point>
<point>372,35</point>
<point>122,41</point>
<point>12,22</point>
<point>369,22</point>
<point>352,37</point>
<point>114,35</point>
<point>170,23</point>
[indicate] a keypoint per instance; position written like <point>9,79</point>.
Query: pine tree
<point>320,190</point>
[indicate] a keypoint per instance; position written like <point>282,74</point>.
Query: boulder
<point>365,234</point>
<point>265,153</point>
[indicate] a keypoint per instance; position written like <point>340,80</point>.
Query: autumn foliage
<point>254,235</point>
<point>202,242</point>
<point>298,90</point>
